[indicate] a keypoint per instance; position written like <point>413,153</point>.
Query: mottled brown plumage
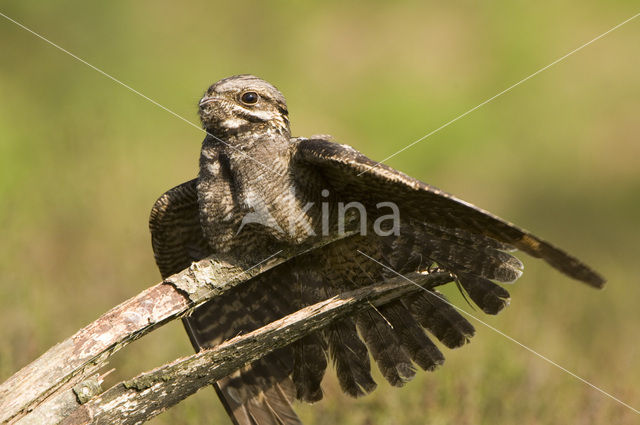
<point>259,190</point>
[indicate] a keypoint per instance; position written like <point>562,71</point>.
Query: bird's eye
<point>249,97</point>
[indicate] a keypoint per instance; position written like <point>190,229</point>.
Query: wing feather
<point>176,235</point>
<point>358,178</point>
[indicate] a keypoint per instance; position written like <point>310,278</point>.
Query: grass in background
<point>82,160</point>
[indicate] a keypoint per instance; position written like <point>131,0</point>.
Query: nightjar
<point>260,190</point>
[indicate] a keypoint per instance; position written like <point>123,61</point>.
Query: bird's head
<point>243,102</point>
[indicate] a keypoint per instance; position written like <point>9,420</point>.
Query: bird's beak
<point>206,100</point>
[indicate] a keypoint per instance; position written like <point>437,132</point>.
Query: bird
<point>260,190</point>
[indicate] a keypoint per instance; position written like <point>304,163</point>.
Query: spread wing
<point>177,240</point>
<point>358,178</point>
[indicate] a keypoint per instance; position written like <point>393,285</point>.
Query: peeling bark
<point>62,385</point>
<point>48,380</point>
<point>72,360</point>
<point>145,396</point>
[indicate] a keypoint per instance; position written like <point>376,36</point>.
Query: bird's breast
<point>253,213</point>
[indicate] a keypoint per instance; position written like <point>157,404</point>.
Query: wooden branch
<point>140,399</point>
<point>51,377</point>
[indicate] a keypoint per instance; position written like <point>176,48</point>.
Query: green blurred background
<point>82,160</point>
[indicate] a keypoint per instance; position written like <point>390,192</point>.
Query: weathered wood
<point>73,360</point>
<point>147,395</point>
<point>62,403</point>
<point>70,361</point>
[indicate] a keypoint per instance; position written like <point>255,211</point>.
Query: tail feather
<point>392,359</point>
<point>432,312</point>
<point>279,403</point>
<point>309,365</point>
<point>260,412</point>
<point>421,349</point>
<point>350,358</point>
<point>249,405</point>
<point>259,393</point>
